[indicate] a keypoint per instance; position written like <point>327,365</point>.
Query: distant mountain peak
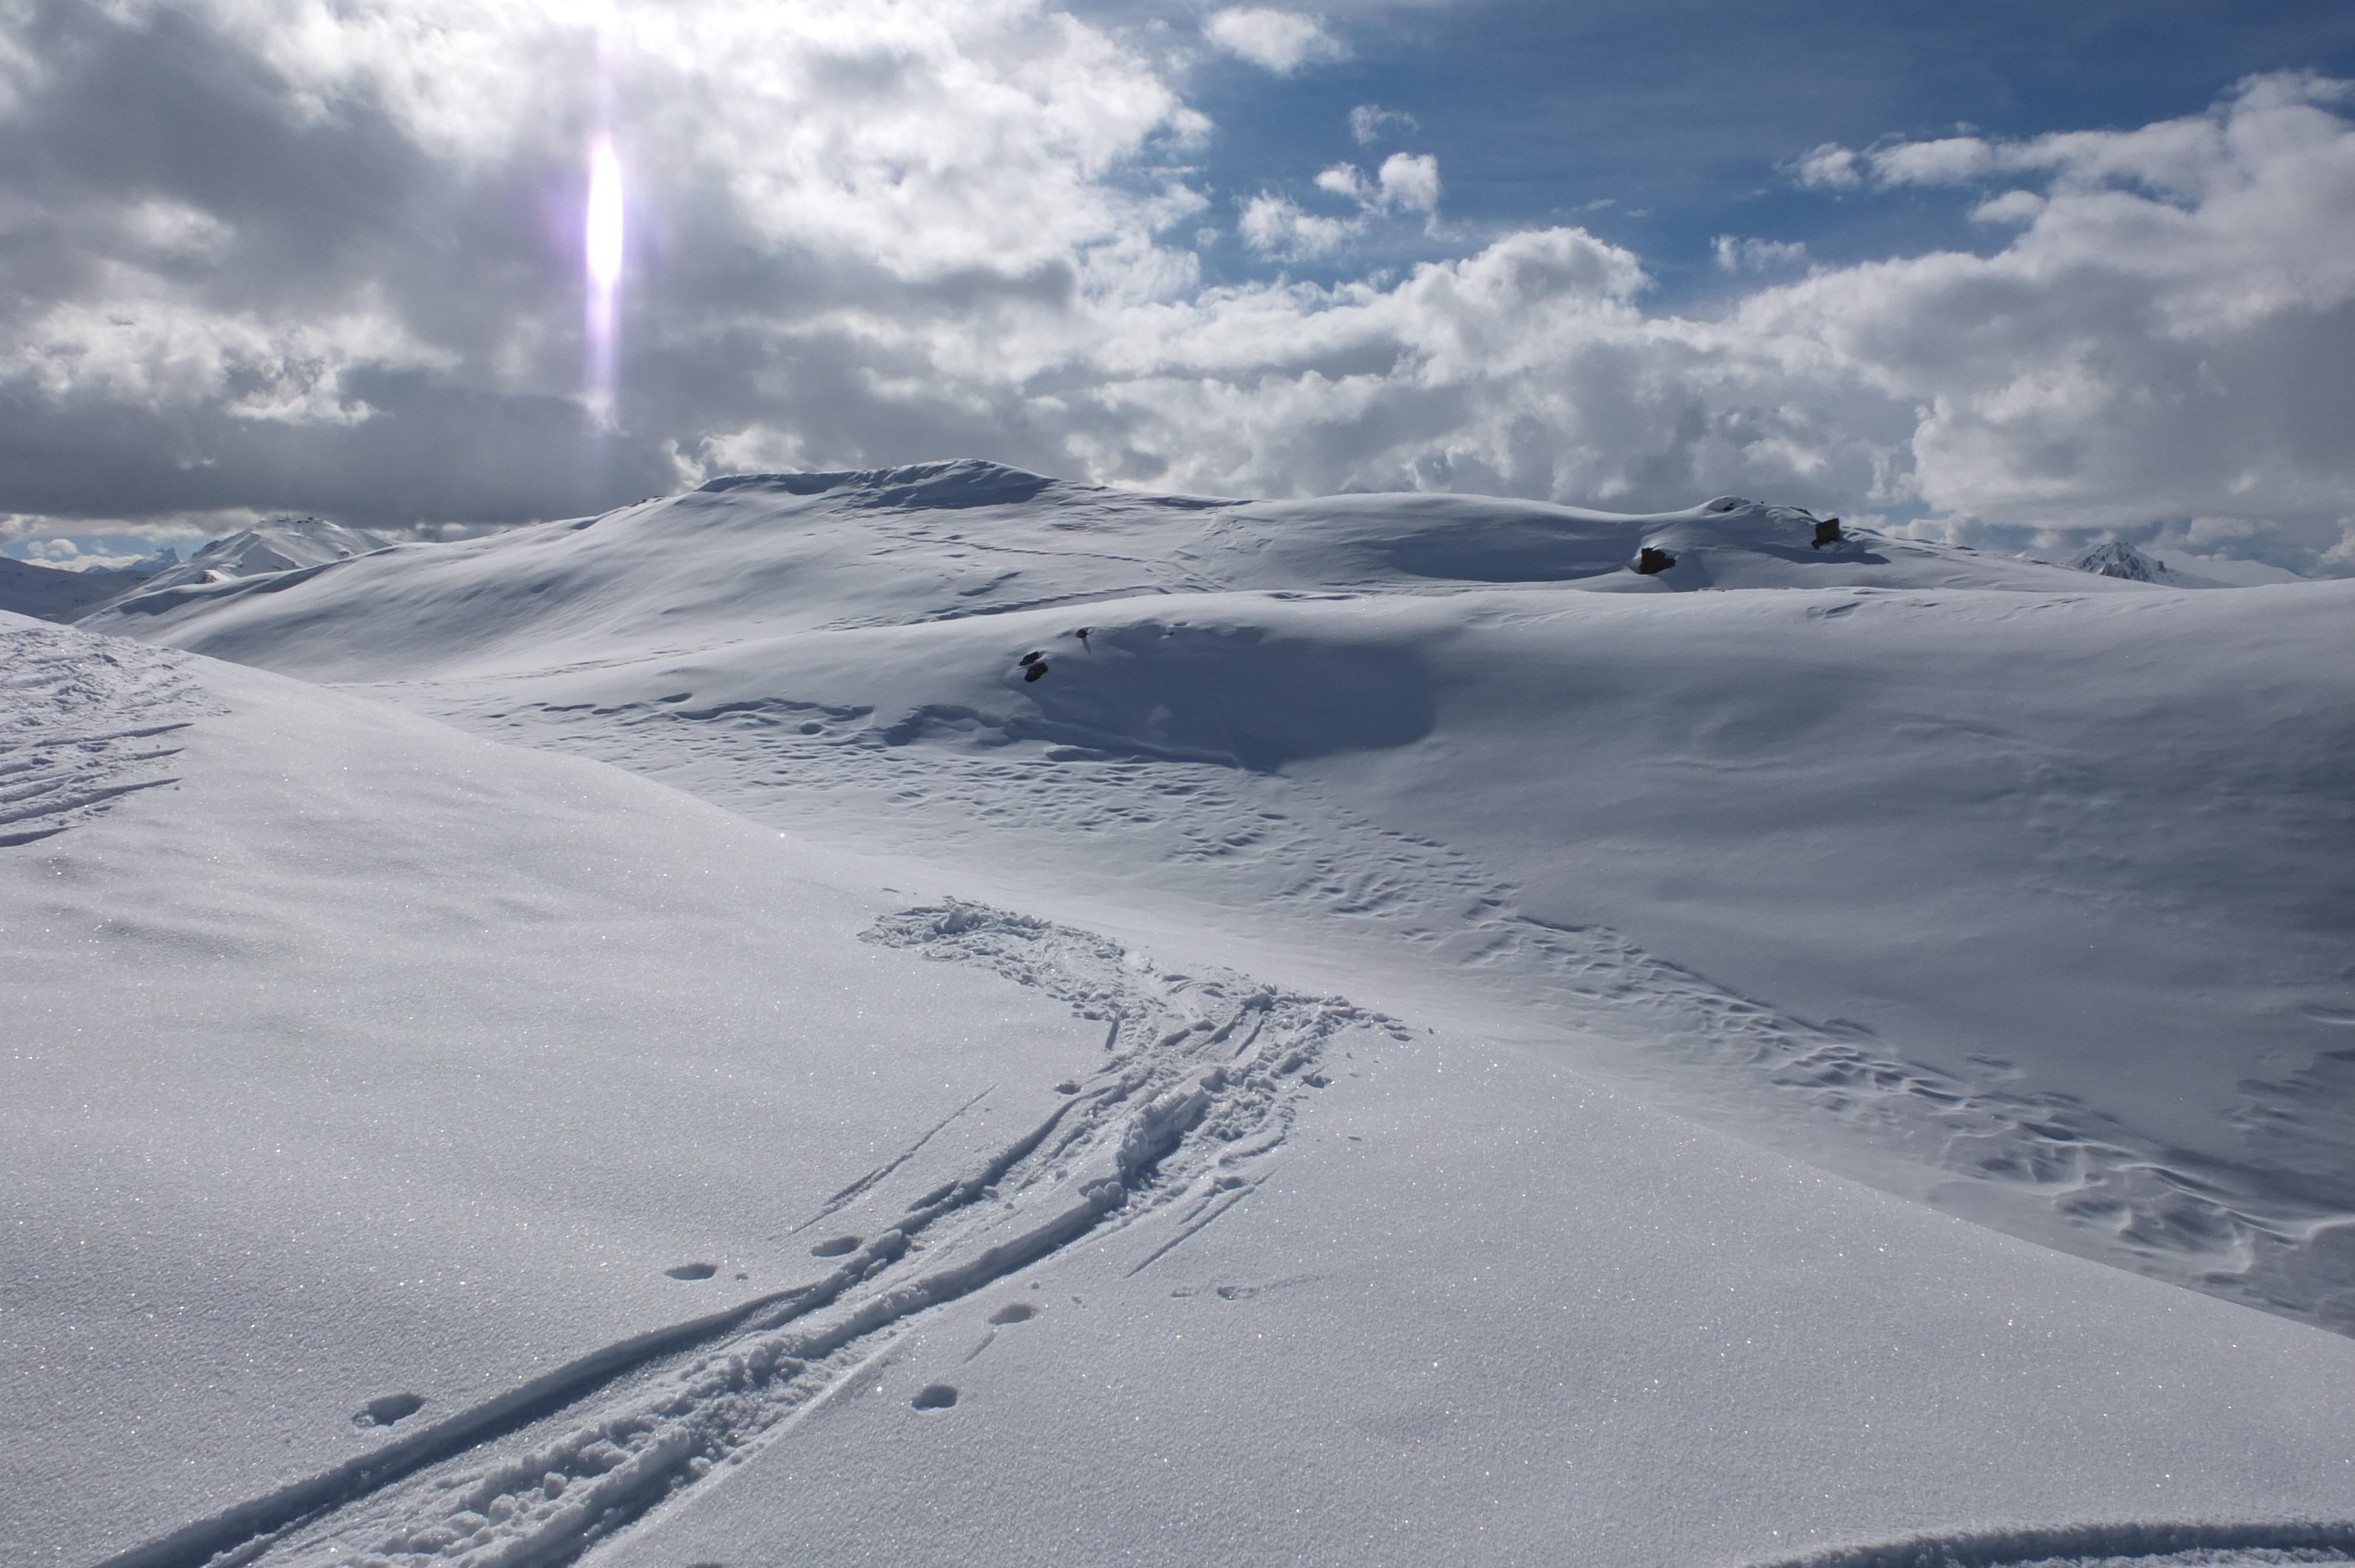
<point>2119,559</point>
<point>284,543</point>
<point>281,544</point>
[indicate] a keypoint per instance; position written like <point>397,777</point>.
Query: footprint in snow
<point>934,1396</point>
<point>389,1408</point>
<point>693,1271</point>
<point>838,1248</point>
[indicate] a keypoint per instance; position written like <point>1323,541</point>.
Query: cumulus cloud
<point>1405,180</point>
<point>297,256</point>
<point>1411,180</point>
<point>1280,41</point>
<point>1278,227</point>
<point>2171,333</point>
<point>1275,225</point>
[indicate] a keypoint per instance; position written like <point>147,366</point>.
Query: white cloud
<point>2183,161</point>
<point>1740,255</point>
<point>1951,160</point>
<point>2169,334</point>
<point>2012,206</point>
<point>1371,122</point>
<point>156,351</point>
<point>1411,180</point>
<point>1830,167</point>
<point>1344,180</point>
<point>1280,41</point>
<point>1276,226</point>
<point>2339,560</point>
<point>2160,339</point>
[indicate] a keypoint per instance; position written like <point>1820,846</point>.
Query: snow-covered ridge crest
<point>762,554</point>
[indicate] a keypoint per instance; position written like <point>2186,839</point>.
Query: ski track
<point>84,721</point>
<point>2040,1164</point>
<point>2118,1545</point>
<point>1181,1121</point>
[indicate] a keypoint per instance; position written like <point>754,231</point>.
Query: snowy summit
<point>943,1015</point>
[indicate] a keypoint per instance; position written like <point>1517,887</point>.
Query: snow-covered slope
<point>2008,885</point>
<point>420,1149</point>
<point>350,1057</point>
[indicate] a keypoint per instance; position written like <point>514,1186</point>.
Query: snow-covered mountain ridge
<point>283,545</point>
<point>775,553</point>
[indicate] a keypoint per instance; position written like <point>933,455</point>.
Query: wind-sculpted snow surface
<point>1201,1078</point>
<point>2277,1235</point>
<point>83,722</point>
<point>1992,881</point>
<point>1191,743</point>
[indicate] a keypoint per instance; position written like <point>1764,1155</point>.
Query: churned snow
<point>947,1016</point>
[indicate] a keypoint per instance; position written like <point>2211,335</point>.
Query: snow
<point>367,1058</point>
<point>1410,1038</point>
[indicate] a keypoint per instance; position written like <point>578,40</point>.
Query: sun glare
<point>604,225</point>
<point>603,247</point>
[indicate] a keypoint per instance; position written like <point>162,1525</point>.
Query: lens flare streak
<point>604,224</point>
<point>603,239</point>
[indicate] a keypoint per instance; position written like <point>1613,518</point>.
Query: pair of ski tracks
<point>1203,1078</point>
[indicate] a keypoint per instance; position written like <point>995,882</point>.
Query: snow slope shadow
<point>1203,1076</point>
<point>2151,1544</point>
<point>1232,694</point>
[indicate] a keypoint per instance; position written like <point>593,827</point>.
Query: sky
<point>2019,276</point>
